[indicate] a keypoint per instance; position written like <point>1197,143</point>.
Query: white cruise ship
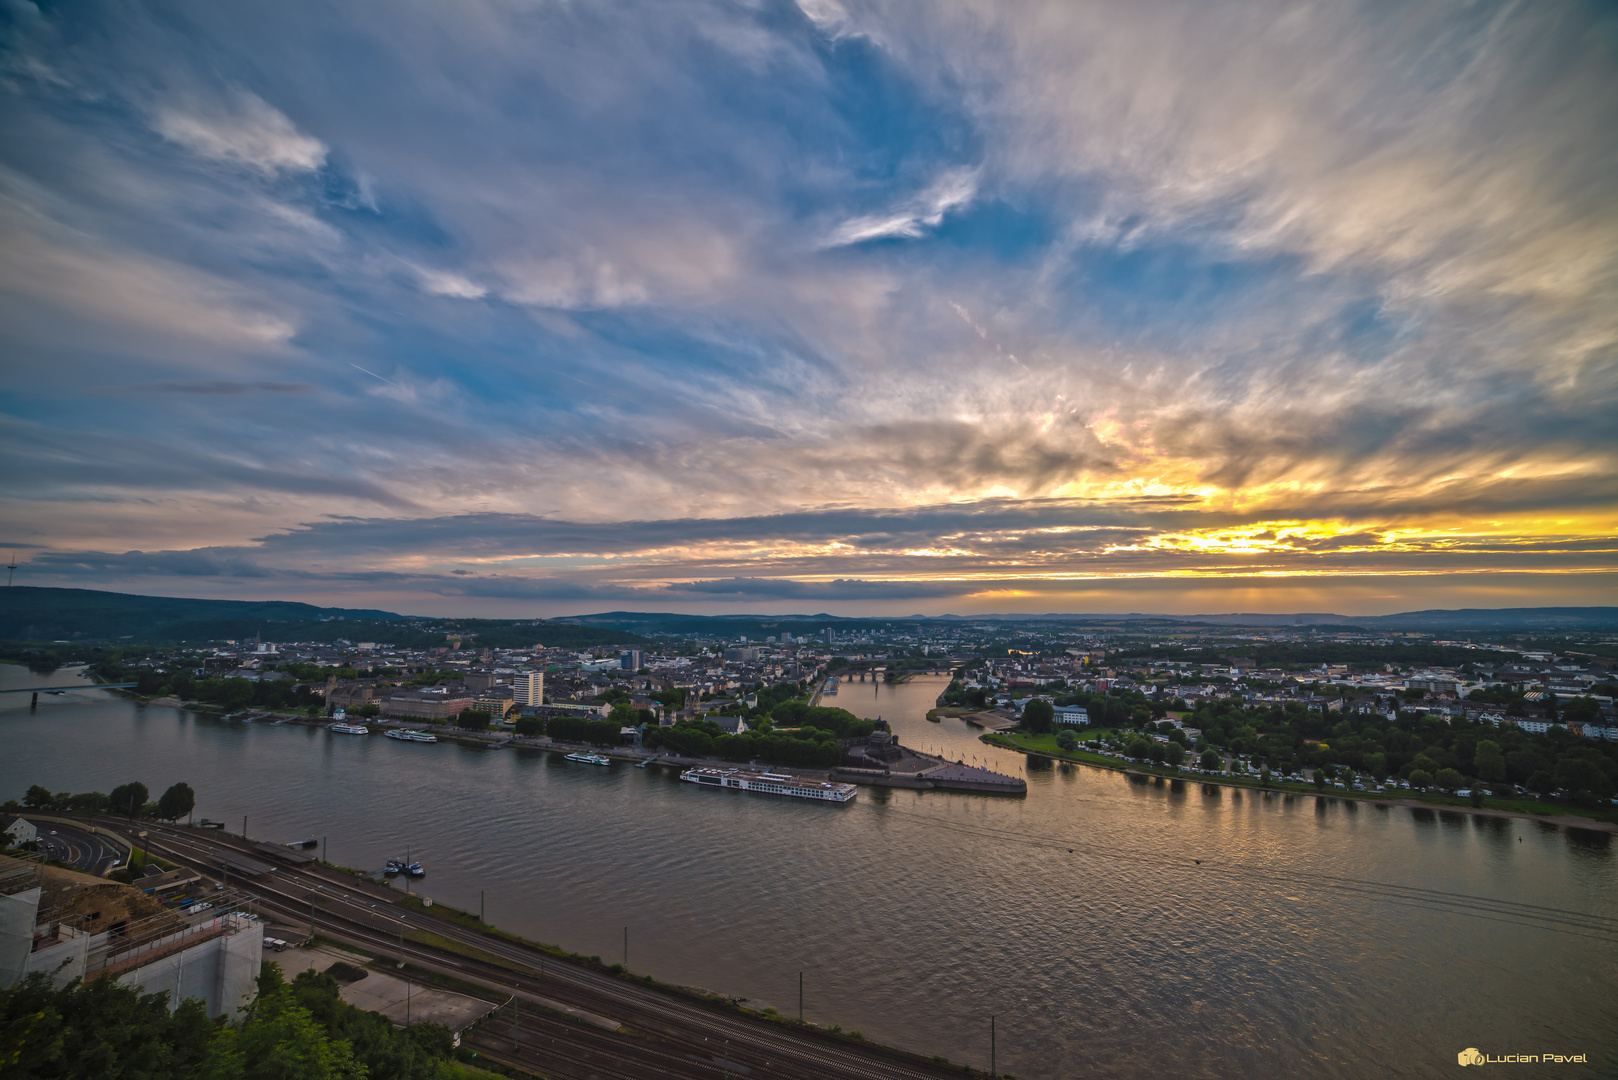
<point>412,736</point>
<point>350,729</point>
<point>771,784</point>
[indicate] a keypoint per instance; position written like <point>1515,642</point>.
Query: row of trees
<point>130,800</point>
<point>804,746</point>
<point>178,681</point>
<point>300,1029</point>
<point>790,733</point>
<point>1424,750</point>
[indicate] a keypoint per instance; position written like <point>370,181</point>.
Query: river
<point>1078,916</point>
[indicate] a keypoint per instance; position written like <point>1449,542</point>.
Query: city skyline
<point>527,309</point>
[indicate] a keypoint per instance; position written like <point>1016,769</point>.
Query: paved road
<point>662,1033</point>
<point>77,849</point>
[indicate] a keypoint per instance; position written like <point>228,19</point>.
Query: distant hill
<point>1479,619</point>
<point>84,616</point>
<point>729,626</point>
<point>35,615</point>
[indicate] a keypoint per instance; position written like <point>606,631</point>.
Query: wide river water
<point>1078,916</point>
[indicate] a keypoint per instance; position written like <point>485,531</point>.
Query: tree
<point>176,802</point>
<point>1209,759</point>
<point>1581,710</point>
<point>1067,741</point>
<point>1421,778</point>
<point>1450,779</point>
<point>1489,762</point>
<point>37,798</point>
<point>280,1039</point>
<point>43,663</point>
<point>127,799</point>
<point>1583,779</point>
<point>102,1028</point>
<point>90,802</point>
<point>473,719</point>
<point>530,725</point>
<point>1037,716</point>
<point>1176,753</point>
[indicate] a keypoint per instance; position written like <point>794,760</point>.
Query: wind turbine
<point>11,570</point>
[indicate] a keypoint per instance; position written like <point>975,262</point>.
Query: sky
<point>518,308</point>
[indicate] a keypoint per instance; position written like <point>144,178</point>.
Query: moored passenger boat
<point>771,784</point>
<point>412,736</point>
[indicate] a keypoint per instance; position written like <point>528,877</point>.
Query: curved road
<point>77,849</point>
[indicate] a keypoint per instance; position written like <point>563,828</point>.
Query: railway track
<point>660,1033</point>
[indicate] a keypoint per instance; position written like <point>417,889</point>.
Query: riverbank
<point>1539,812</point>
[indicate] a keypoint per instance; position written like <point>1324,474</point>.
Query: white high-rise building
<point>529,687</point>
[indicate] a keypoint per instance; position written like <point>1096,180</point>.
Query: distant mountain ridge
<point>83,616</point>
<point>1527,618</point>
<point>37,613</point>
<point>31,613</point>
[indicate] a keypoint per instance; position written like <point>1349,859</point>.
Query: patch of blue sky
<point>1365,328</point>
<point>1165,289</point>
<point>895,131</point>
<point>999,229</point>
<point>717,350</point>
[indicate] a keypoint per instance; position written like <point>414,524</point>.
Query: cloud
<point>914,217</point>
<point>214,386</point>
<point>243,129</point>
<point>700,296</point>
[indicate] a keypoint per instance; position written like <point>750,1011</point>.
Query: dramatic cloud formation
<point>518,307</point>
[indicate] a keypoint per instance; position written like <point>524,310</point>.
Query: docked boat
<point>306,842</point>
<point>415,870</point>
<point>771,784</point>
<point>412,736</point>
<point>394,867</point>
<point>349,729</point>
<point>590,759</point>
<point>830,688</point>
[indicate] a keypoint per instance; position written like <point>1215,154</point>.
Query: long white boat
<point>412,736</point>
<point>771,784</point>
<point>350,729</point>
<point>590,759</point>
